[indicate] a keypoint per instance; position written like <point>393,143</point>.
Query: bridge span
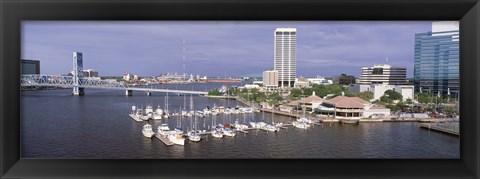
<point>69,82</point>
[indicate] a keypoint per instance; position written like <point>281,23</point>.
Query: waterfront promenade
<point>428,123</point>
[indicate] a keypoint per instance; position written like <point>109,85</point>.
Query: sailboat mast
<point>184,61</point>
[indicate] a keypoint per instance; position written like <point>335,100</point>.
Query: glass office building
<point>436,68</point>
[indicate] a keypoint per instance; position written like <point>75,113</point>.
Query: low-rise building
<point>251,86</point>
<point>344,107</point>
<point>319,80</point>
<point>351,108</point>
<point>310,102</point>
<point>301,82</point>
<point>378,90</point>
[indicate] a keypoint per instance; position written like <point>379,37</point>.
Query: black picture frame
<point>12,12</point>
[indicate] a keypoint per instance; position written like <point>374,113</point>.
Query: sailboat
<point>193,134</point>
<point>166,107</point>
<point>301,122</point>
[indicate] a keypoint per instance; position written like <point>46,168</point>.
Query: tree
<point>366,95</point>
<point>214,92</point>
<point>424,98</point>
<point>393,95</point>
<point>386,99</point>
<point>409,101</point>
<point>296,92</point>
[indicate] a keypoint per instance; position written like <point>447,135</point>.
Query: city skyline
<point>232,48</point>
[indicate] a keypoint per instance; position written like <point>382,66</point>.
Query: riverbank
<point>331,119</point>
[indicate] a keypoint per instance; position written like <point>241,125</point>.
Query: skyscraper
<point>436,66</point>
<point>285,56</point>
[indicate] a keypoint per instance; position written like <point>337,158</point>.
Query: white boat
<point>158,113</point>
<point>184,113</point>
<point>278,124</point>
<point>305,120</point>
<point>272,128</point>
<point>253,124</point>
<point>139,114</point>
<point>227,111</point>
<point>214,113</point>
<point>147,131</point>
<point>248,110</point>
<point>149,109</point>
<point>176,138</point>
<point>178,130</point>
<point>149,112</point>
<point>164,130</point>
<point>194,136</point>
<point>239,126</point>
<point>217,132</point>
<point>228,132</point>
<point>301,125</point>
<point>200,114</point>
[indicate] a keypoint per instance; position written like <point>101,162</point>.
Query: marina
<point>107,128</point>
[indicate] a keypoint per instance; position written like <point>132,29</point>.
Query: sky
<point>218,48</point>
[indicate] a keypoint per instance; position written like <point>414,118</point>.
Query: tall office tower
<point>436,66</point>
<point>285,56</point>
<point>383,74</point>
<point>77,73</point>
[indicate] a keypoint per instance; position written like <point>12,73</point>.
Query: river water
<point>55,124</point>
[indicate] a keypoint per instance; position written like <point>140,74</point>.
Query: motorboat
<point>194,136</point>
<point>217,132</point>
<point>301,125</point>
<point>247,110</point>
<point>200,114</point>
<point>158,113</point>
<point>176,138</point>
<point>272,128</point>
<point>228,132</point>
<point>164,129</point>
<point>178,130</point>
<point>239,126</point>
<point>253,124</point>
<point>147,131</point>
<point>305,120</point>
<point>227,111</point>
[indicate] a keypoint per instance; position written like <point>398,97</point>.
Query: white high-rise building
<point>285,56</point>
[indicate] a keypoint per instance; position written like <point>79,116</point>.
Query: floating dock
<point>163,139</point>
<point>440,129</point>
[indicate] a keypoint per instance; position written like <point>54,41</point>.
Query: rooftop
<point>347,102</point>
<point>286,29</point>
<point>310,99</point>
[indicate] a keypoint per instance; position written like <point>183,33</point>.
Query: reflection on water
<point>58,125</point>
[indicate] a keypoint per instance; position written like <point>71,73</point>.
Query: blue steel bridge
<point>81,82</point>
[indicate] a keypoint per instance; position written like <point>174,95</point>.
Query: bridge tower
<point>77,73</point>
